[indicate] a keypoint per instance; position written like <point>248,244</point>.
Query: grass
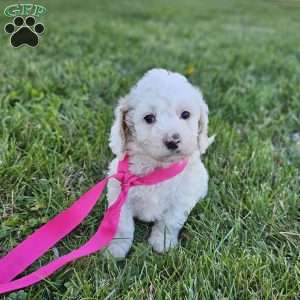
<point>56,104</point>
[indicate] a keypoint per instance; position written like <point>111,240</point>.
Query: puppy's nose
<point>171,145</point>
<point>172,142</point>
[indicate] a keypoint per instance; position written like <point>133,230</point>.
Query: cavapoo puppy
<point>162,120</point>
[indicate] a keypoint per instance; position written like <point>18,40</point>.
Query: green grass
<point>56,103</point>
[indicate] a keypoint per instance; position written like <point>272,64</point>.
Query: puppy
<point>162,120</point>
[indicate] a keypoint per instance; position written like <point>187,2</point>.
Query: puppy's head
<point>163,116</point>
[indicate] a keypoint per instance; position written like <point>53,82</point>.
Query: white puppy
<point>162,120</point>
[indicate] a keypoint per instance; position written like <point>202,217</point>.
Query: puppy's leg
<point>122,241</point>
<point>164,234</point>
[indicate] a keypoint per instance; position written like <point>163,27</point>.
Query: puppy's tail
<point>209,141</point>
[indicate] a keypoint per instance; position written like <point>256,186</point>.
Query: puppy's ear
<point>118,133</point>
<point>203,140</point>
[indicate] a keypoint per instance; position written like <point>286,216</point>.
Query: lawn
<point>56,108</point>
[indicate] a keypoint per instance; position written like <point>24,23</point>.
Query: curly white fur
<point>165,95</point>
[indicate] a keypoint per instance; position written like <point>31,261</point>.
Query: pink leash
<point>23,255</point>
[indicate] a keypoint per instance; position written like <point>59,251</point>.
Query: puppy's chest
<point>148,203</point>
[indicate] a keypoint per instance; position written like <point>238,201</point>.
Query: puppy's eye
<point>150,118</point>
<point>185,115</point>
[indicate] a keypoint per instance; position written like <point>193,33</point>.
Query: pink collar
<point>23,255</point>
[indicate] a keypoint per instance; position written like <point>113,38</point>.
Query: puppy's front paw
<point>161,242</point>
<point>118,249</point>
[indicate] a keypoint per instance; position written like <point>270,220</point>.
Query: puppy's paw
<point>162,243</point>
<point>118,249</point>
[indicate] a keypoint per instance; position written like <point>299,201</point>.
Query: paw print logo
<point>24,32</point>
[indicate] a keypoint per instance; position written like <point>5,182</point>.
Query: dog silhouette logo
<point>24,29</point>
